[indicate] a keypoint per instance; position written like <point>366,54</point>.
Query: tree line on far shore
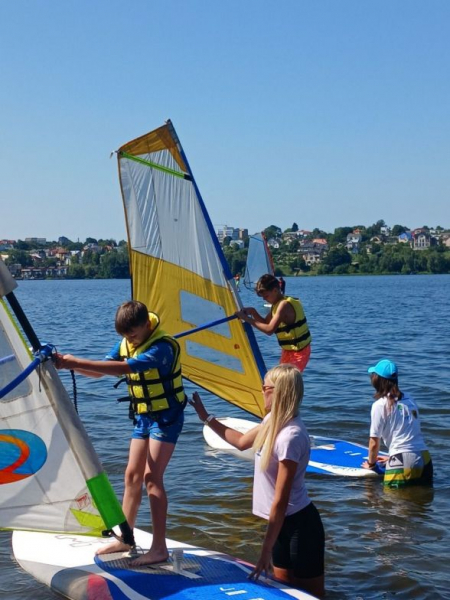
<point>111,261</point>
<point>372,258</point>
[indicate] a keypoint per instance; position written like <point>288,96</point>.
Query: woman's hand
<point>197,403</point>
<point>264,565</point>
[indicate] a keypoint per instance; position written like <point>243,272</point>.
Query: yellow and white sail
<point>178,269</point>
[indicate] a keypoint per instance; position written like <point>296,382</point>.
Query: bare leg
<point>314,585</point>
<point>157,460</point>
<point>132,497</point>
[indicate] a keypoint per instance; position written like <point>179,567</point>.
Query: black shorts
<point>300,546</point>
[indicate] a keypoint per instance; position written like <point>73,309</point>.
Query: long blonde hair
<point>286,400</point>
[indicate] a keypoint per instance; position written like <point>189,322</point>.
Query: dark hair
<point>385,388</point>
<point>266,283</point>
<point>130,315</point>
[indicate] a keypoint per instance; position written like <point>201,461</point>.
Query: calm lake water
<point>379,544</point>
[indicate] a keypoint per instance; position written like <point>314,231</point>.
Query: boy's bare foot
<point>151,557</point>
<point>113,547</point>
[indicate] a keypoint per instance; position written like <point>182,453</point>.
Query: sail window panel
<point>140,207</point>
<point>214,357</point>
<point>198,311</point>
<point>10,368</point>
<point>141,202</point>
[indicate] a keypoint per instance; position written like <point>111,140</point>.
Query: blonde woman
<point>293,546</point>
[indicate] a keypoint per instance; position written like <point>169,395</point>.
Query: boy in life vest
<point>286,320</point>
<point>149,359</point>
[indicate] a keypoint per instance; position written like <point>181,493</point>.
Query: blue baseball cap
<point>385,368</point>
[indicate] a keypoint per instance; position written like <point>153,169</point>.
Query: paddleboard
<point>68,565</point>
<point>329,456</point>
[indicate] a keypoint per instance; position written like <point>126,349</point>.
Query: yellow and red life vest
<point>150,391</point>
<point>295,336</point>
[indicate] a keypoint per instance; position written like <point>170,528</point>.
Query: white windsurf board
<point>329,456</point>
<point>69,566</point>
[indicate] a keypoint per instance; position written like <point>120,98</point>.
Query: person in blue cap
<point>395,421</point>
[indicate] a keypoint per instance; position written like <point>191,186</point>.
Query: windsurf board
<point>69,566</point>
<point>329,456</point>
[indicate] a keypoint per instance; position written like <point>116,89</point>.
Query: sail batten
<point>179,271</point>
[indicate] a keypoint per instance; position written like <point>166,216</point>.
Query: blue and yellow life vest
<point>150,391</point>
<point>295,336</point>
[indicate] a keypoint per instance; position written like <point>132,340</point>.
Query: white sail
<point>259,260</point>
<point>50,476</point>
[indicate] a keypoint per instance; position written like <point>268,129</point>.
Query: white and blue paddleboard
<point>69,566</point>
<point>328,456</point>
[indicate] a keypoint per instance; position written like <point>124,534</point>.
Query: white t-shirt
<point>292,443</point>
<point>399,430</point>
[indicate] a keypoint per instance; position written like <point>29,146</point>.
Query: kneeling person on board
<point>395,420</point>
<point>150,360</point>
<point>286,319</point>
<point>294,542</point>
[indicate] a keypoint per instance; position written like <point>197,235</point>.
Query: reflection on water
<point>381,544</point>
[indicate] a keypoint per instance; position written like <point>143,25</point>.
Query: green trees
<point>114,265</point>
<point>340,235</point>
<point>337,260</point>
<point>272,232</point>
<point>20,257</point>
<point>236,258</point>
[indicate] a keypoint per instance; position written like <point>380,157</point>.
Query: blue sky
<point>323,112</point>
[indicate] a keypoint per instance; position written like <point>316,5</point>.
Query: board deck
<point>328,456</point>
<point>68,565</point>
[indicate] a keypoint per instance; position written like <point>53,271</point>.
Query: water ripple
<point>380,545</point>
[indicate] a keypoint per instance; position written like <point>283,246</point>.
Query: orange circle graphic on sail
<point>22,454</point>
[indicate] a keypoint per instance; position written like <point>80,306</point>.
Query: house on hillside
<point>6,245</point>
<point>312,257</point>
<point>273,243</point>
<point>288,236</point>
<point>423,240</point>
<point>320,244</point>
<point>377,239</point>
<point>405,237</point>
<point>353,242</point>
<point>391,240</point>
